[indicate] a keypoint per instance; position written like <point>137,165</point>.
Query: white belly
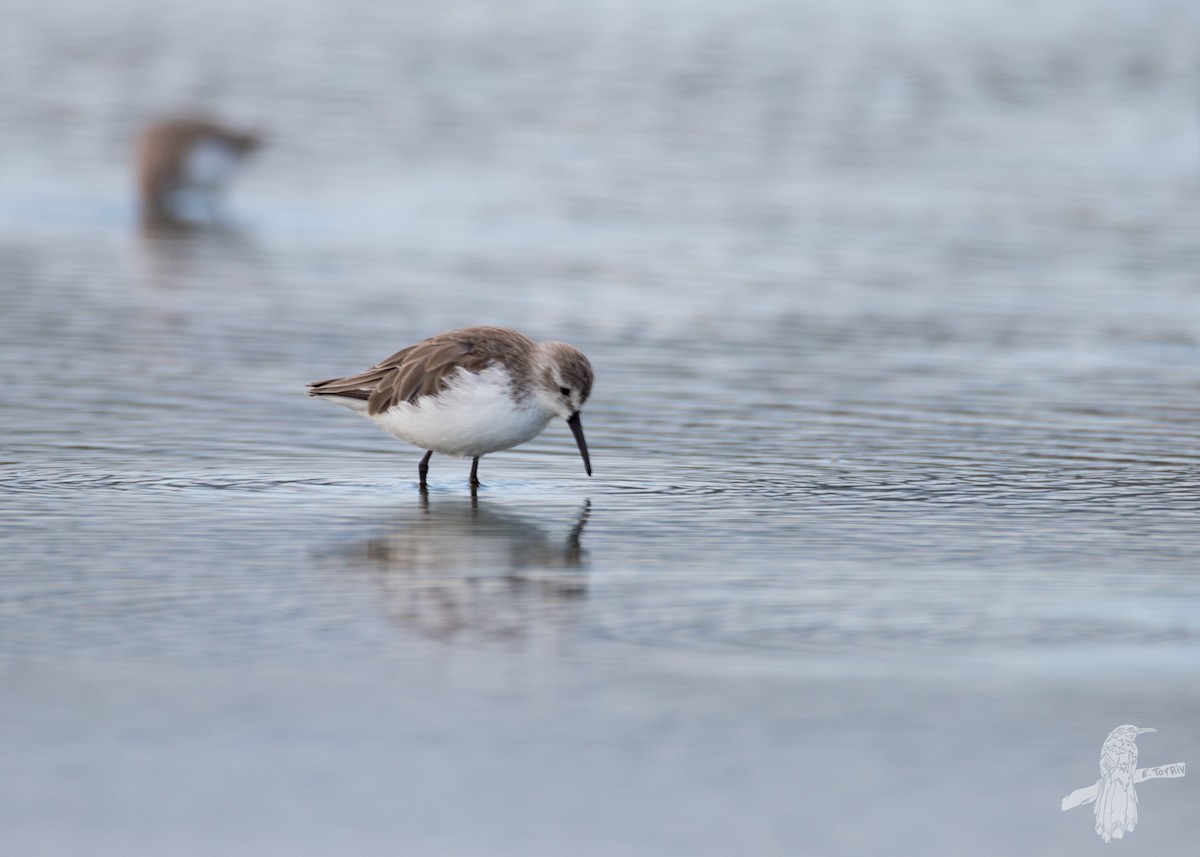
<point>475,416</point>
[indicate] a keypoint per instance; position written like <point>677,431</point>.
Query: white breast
<point>474,416</point>
<point>210,163</point>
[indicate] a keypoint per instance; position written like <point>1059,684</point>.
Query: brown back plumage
<point>425,369</point>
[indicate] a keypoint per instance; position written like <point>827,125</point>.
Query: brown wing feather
<point>425,369</point>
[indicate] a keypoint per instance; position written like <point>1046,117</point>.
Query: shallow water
<point>894,313</point>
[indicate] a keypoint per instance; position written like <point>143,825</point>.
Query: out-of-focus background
<point>895,313</point>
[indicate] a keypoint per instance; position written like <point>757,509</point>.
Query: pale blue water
<point>895,313</point>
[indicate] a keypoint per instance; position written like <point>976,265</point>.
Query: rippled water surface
<point>895,315</point>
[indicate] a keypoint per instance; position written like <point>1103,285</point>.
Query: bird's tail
<point>336,390</point>
<point>1116,809</point>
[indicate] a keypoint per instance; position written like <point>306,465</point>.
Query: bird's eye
<point>566,391</point>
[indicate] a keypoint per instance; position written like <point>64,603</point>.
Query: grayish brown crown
<point>574,367</point>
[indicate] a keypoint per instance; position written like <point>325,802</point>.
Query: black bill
<point>577,430</point>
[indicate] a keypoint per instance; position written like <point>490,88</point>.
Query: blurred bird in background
<point>1116,799</point>
<point>184,164</point>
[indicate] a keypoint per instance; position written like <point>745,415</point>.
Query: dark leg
<point>423,469</point>
<point>475,472</point>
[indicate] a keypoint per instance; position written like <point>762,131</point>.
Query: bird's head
<point>565,384</point>
<point>1130,731</point>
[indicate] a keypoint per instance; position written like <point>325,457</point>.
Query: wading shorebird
<point>183,165</point>
<point>468,392</point>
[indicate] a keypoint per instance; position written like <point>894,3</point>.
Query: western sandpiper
<point>469,392</point>
<point>183,164</point>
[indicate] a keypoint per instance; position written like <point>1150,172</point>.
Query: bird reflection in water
<point>461,570</point>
